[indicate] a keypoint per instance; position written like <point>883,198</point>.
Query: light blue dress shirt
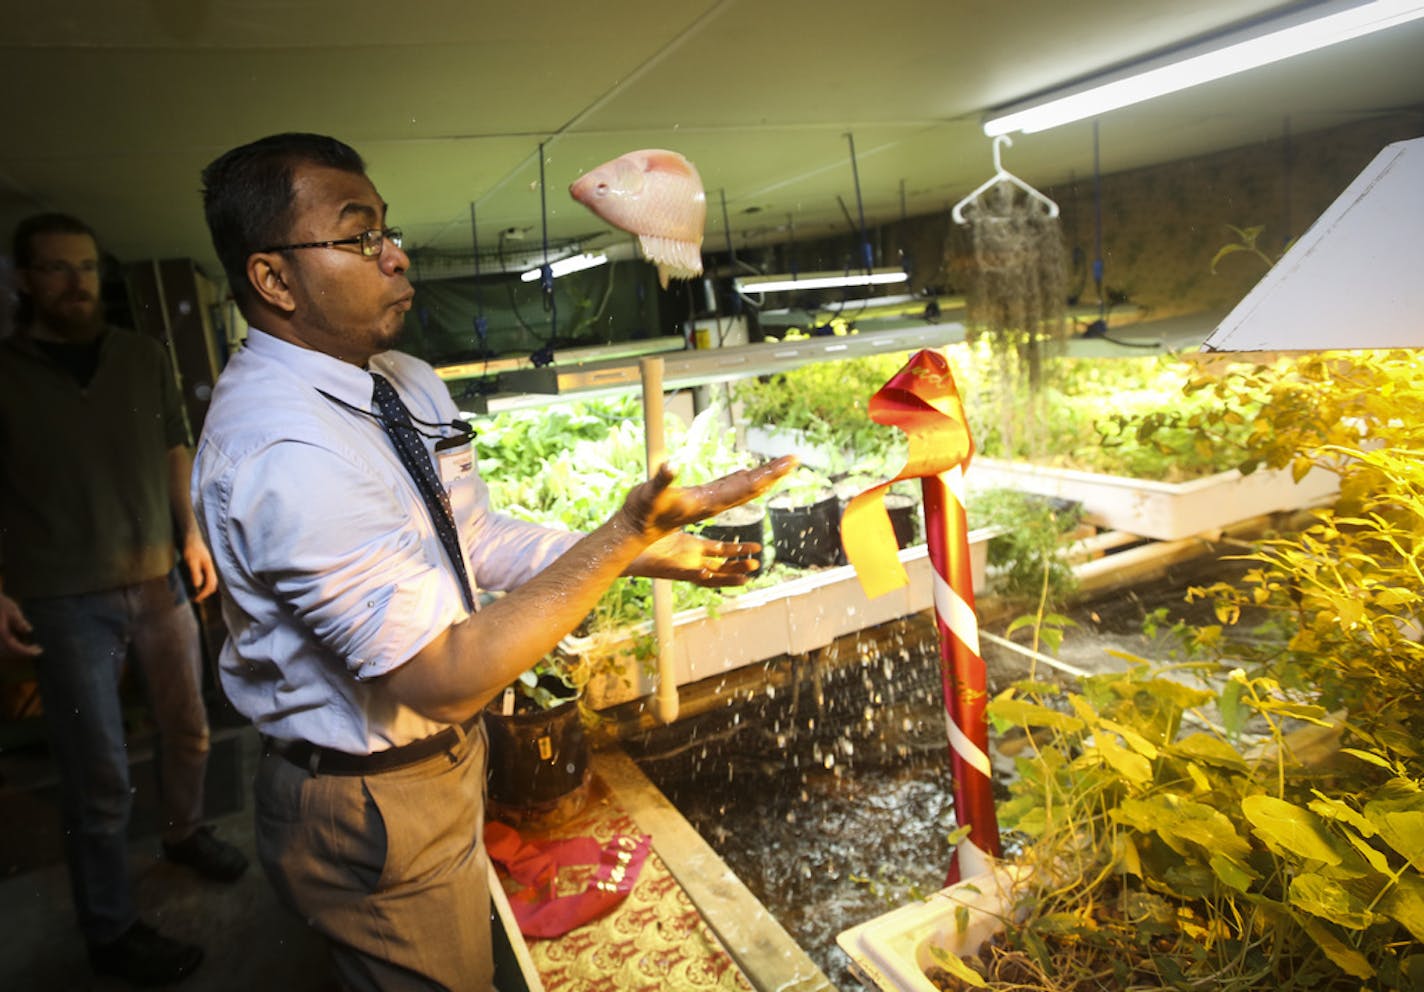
<point>332,572</point>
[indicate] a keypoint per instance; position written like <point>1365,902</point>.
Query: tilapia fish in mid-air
<point>657,195</point>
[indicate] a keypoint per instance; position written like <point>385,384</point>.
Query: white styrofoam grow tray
<point>1161,510</point>
<point>773,442</point>
<point>891,952</point>
<point>793,617</point>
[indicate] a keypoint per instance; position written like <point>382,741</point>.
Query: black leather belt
<point>327,761</point>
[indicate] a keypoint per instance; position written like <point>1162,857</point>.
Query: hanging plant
<point>1016,280</point>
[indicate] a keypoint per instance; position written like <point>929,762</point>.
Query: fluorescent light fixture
<point>574,263</point>
<point>1303,31</point>
<point>821,280</point>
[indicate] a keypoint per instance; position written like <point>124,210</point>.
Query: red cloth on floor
<point>538,908</point>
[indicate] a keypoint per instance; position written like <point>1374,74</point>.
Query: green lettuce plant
<point>571,466</point>
<point>1145,418</point>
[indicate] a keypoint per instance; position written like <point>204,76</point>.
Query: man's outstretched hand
<point>659,510</point>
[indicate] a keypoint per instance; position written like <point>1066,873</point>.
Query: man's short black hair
<point>247,196</point>
<point>22,243</point>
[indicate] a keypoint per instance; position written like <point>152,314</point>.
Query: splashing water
<point>831,805</point>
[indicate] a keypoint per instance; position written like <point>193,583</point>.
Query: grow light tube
<point>821,280</point>
<point>1317,27</point>
<point>574,263</point>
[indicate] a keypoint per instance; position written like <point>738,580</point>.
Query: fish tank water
<point>827,790</point>
<point>829,797</point>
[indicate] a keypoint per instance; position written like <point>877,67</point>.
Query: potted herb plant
<point>805,521</point>
<point>538,752</point>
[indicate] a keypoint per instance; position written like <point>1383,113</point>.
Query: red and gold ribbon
<point>922,400</point>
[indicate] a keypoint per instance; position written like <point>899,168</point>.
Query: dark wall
<point>1160,226</point>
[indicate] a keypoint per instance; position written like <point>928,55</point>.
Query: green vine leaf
<point>1233,713</point>
<point>1404,903</point>
<point>955,965</point>
<point>1233,872</point>
<point>1334,809</point>
<point>1021,713</point>
<point>1401,826</point>
<point>1289,829</point>
<point>1368,756</point>
<point>1345,957</point>
<point>1179,821</point>
<point>1209,750</point>
<point>1131,766</point>
<point>1329,900</point>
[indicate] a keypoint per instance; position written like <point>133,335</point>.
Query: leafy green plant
<point>1254,819</point>
<point>571,466</point>
<point>1135,417</point>
<point>804,486</point>
<point>1146,418</point>
<point>828,403</point>
<point>1027,548</point>
<point>1246,241</point>
<point>1165,855</point>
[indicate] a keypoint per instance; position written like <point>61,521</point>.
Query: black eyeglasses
<point>371,242</point>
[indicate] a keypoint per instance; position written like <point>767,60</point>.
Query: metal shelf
<point>613,369</point>
<point>685,369</point>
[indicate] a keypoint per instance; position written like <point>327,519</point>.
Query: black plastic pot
<point>904,515</point>
<point>902,508</point>
<point>807,536</point>
<point>538,763</point>
<point>737,525</point>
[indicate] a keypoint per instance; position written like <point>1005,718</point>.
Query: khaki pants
<point>389,868</point>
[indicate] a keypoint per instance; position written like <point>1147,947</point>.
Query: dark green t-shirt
<point>84,502</point>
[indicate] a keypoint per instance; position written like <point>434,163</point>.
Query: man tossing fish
<point>657,195</point>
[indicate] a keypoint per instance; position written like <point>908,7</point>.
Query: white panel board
<point>1355,279</point>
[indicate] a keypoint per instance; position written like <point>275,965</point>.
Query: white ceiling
<point>112,108</point>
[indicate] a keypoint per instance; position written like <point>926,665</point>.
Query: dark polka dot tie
<point>416,459</point>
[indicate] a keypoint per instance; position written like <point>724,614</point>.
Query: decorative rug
<point>654,940</point>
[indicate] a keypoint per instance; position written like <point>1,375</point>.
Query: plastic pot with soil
<point>538,759</point>
<point>903,508</point>
<point>806,528</point>
<point>741,524</point>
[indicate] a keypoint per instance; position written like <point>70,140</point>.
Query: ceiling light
<point>1303,31</point>
<point>821,280</point>
<point>574,263</point>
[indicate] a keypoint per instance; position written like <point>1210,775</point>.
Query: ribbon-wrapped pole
<point>921,400</point>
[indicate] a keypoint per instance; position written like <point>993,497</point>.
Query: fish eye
<point>601,189</point>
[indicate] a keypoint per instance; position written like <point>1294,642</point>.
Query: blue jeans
<point>86,640</point>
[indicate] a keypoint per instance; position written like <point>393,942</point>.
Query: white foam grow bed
<point>891,952</point>
<point>1163,511</point>
<point>773,442</point>
<point>793,617</point>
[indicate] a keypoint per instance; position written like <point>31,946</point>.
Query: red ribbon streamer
<point>922,400</point>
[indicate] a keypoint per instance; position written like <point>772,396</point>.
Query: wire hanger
<point>1001,175</point>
